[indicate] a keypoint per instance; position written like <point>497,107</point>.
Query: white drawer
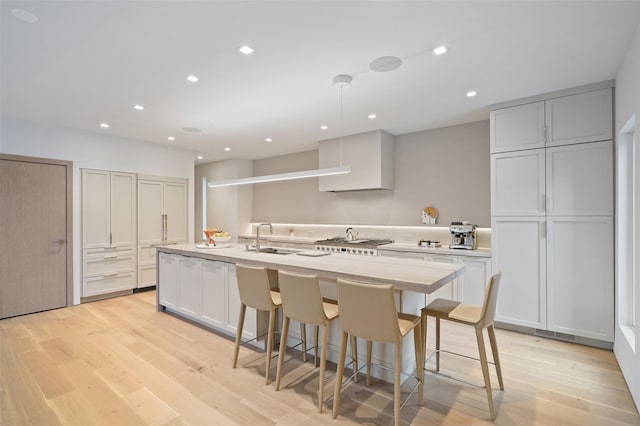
<point>147,254</point>
<point>108,251</point>
<point>108,263</point>
<point>93,286</point>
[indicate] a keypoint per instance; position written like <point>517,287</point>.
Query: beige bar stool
<point>479,317</point>
<point>255,292</point>
<point>369,311</point>
<point>302,301</point>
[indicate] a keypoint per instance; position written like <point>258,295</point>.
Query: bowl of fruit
<point>215,235</point>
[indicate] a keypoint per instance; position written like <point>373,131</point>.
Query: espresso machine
<point>463,236</point>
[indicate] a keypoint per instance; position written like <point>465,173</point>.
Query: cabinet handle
<point>543,229</point>
<point>110,275</point>
<point>545,132</point>
<point>110,239</point>
<point>111,257</point>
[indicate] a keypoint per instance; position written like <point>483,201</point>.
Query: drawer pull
<point>110,275</point>
<point>110,257</point>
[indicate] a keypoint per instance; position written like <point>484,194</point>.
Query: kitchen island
<point>200,284</point>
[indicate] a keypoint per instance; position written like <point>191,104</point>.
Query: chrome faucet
<point>350,236</point>
<point>258,234</point>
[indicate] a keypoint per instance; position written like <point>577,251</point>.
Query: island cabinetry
<point>162,219</point>
<point>205,291</point>
<point>108,232</point>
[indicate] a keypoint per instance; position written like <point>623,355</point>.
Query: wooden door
<point>35,235</point>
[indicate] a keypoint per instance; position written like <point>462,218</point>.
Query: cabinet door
<point>169,277</point>
<point>150,220</point>
<point>519,251</point>
<point>123,209</point>
<point>580,179</point>
<point>96,200</point>
<point>450,290</point>
<point>249,330</point>
<point>175,209</point>
<point>472,284</point>
<point>214,297</point>
<point>517,128</point>
<point>190,286</point>
<point>580,277</point>
<point>586,117</point>
<point>518,183</point>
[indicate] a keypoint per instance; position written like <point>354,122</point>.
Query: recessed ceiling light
<point>268,140</point>
<point>24,16</point>
<point>104,125</point>
<point>371,116</point>
<point>138,107</point>
<point>199,157</point>
<point>323,127</point>
<point>171,138</point>
<point>471,94</point>
<point>247,50</point>
<point>192,78</point>
<point>227,149</point>
<point>440,50</point>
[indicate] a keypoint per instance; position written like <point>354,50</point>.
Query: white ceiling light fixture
<point>227,149</point>
<point>247,50</point>
<point>471,94</point>
<point>192,78</point>
<point>200,157</point>
<point>342,81</point>
<point>104,125</point>
<point>372,116</point>
<point>440,50</point>
<point>268,140</point>
<point>323,127</point>
<point>171,138</point>
<point>138,107</point>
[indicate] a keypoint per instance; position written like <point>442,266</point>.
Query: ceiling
<point>84,63</point>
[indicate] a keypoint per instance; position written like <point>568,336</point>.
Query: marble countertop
<point>407,274</point>
<point>414,248</point>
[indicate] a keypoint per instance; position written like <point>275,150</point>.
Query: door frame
<point>69,236</point>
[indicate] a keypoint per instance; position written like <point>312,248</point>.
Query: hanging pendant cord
<point>341,126</point>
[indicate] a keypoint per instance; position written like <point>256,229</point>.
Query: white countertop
<point>414,248</point>
<point>407,274</point>
<point>281,238</point>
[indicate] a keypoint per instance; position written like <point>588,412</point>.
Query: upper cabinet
<point>108,209</point>
<point>578,118</point>
<point>370,156</point>
<point>517,128</point>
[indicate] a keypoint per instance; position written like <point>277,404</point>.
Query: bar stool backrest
<point>368,311</point>
<point>301,298</point>
<point>253,286</point>
<point>490,300</point>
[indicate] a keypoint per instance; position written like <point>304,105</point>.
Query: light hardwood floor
<point>119,362</point>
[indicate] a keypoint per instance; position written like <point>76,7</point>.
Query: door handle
<point>61,241</point>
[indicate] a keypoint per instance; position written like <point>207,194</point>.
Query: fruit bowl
<point>221,239</point>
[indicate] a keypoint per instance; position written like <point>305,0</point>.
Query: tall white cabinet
<point>162,219</point>
<point>552,213</point>
<point>108,232</point>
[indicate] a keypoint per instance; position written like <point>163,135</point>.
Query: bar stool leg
<point>303,335</point>
<point>283,349</point>
<point>243,309</point>
<point>323,363</point>
<point>338,391</point>
<point>437,344</point>
<point>272,326</point>
<point>496,357</point>
<point>423,329</point>
<point>369,348</point>
<point>485,371</point>
<point>418,342</point>
<point>315,354</point>
<point>396,384</point>
<point>354,357</point>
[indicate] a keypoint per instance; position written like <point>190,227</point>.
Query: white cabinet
<point>551,212</point>
<point>580,180</point>
<point>205,291</point>
<point>580,277</point>
<point>518,183</point>
<point>108,232</point>
<point>585,117</point>
<point>162,219</point>
<point>517,128</point>
<point>565,120</point>
<point>518,249</point>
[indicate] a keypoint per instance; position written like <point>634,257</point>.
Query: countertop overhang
<point>405,274</point>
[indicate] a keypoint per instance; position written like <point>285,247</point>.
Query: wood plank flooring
<point>119,362</point>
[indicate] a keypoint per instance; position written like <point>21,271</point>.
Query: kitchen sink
<point>273,250</point>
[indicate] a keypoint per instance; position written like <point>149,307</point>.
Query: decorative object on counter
<point>429,215</point>
<point>350,235</point>
<point>429,243</point>
<point>463,236</point>
<point>214,235</point>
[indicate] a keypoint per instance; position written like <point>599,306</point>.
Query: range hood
<point>370,156</point>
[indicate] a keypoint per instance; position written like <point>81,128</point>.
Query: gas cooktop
<point>357,246</point>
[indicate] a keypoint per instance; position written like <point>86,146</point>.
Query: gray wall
<point>447,168</point>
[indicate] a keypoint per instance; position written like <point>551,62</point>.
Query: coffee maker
<point>463,236</point>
